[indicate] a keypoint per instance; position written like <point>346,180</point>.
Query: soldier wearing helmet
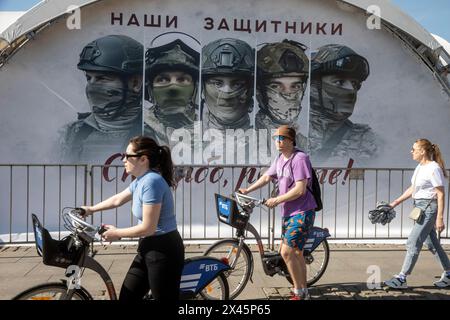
<point>336,76</point>
<point>113,70</point>
<point>227,76</point>
<point>172,72</point>
<point>283,70</point>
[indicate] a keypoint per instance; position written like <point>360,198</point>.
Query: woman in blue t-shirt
<point>160,258</point>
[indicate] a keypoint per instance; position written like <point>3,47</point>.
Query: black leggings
<point>157,266</point>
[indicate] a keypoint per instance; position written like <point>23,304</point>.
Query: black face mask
<point>106,101</point>
<point>338,102</point>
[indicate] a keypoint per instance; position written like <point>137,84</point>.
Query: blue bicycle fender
<point>315,237</point>
<point>198,272</point>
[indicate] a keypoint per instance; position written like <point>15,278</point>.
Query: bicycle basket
<point>228,212</point>
<point>58,253</point>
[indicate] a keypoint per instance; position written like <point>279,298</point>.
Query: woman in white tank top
<point>428,192</point>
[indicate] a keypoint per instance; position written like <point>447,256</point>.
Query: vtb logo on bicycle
<point>209,267</point>
<point>224,206</point>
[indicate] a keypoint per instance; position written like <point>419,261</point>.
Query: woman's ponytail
<point>437,156</point>
<point>166,166</point>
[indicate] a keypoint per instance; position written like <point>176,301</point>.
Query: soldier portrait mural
<point>185,76</point>
<point>113,70</point>
<point>172,75</point>
<point>227,82</point>
<point>337,75</point>
<point>282,76</point>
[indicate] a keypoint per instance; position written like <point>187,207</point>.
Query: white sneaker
<point>302,296</point>
<point>396,283</point>
<point>443,282</point>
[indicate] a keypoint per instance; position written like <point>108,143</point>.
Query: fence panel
<point>348,196</point>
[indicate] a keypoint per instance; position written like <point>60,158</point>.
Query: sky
<point>433,15</point>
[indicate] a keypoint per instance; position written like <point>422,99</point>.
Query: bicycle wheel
<point>50,291</point>
<point>217,290</point>
<point>316,263</point>
<point>238,275</point>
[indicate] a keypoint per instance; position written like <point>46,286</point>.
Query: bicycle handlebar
<point>74,220</point>
<point>243,199</point>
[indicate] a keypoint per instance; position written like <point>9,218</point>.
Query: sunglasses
<point>127,156</point>
<point>279,138</point>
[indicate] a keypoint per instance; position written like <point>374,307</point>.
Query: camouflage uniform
<point>228,58</point>
<point>83,141</point>
<point>95,136</point>
<point>332,136</point>
<point>357,142</point>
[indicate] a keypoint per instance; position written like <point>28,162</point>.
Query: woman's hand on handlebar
<point>87,211</point>
<point>111,233</point>
<point>243,190</point>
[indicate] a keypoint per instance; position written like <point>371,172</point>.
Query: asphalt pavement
<point>354,272</point>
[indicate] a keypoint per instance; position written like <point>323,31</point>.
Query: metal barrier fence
<point>40,189</point>
<point>348,195</point>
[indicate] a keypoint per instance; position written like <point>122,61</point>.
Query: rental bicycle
<point>237,254</point>
<point>202,278</point>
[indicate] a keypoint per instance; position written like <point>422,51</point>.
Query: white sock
<point>402,276</point>
<point>297,291</point>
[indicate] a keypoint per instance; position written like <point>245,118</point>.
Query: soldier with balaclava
<point>172,73</point>
<point>113,70</point>
<point>282,76</point>
<point>227,76</point>
<point>336,76</point>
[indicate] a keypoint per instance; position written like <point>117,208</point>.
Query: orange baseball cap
<point>285,131</point>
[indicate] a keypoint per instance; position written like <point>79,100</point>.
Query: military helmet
<point>335,58</point>
<point>277,59</point>
<point>113,53</point>
<point>228,56</point>
<point>175,55</point>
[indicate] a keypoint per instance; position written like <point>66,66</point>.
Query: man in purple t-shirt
<point>293,171</point>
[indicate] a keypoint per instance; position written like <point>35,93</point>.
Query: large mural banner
<point>213,79</point>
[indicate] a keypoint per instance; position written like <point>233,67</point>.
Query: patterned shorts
<point>295,229</point>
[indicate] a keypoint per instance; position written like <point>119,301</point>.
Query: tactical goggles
<point>353,64</point>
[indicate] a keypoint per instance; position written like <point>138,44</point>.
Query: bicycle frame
<point>315,236</point>
<point>198,272</point>
<point>84,261</point>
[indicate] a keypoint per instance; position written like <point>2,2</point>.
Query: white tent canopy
<point>38,16</point>
<point>7,18</point>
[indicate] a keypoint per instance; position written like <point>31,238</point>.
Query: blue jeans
<point>424,230</point>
